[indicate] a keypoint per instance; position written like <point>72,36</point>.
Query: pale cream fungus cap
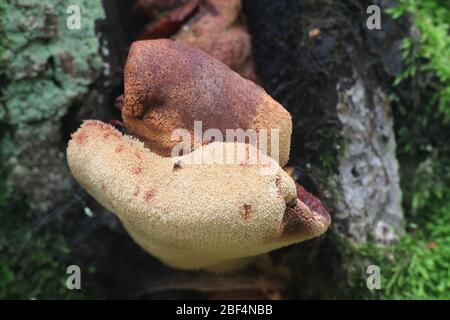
<point>193,216</point>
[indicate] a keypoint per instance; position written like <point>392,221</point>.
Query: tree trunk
<point>319,59</point>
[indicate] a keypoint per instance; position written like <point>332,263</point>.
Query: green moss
<point>32,265</point>
<point>418,267</point>
<point>432,46</point>
<point>328,161</point>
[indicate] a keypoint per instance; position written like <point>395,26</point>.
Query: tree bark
<point>319,59</point>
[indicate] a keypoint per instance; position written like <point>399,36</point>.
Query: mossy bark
<point>319,59</point>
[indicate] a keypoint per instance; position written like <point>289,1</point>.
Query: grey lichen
<point>368,177</point>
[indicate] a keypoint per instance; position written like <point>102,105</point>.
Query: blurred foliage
<point>422,122</point>
<point>418,267</point>
<point>32,266</point>
<point>32,269</point>
<point>431,51</point>
<point>33,262</point>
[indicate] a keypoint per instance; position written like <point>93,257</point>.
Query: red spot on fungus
<point>119,148</point>
<point>106,129</point>
<point>109,134</point>
<point>177,166</point>
<point>278,185</point>
<point>79,138</point>
<point>149,195</point>
<point>246,212</point>
<point>137,170</point>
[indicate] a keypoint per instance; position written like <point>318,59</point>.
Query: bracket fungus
<point>214,26</point>
<point>217,30</point>
<point>213,214</point>
<point>169,85</point>
<point>192,216</point>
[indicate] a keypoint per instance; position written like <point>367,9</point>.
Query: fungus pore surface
<point>194,215</point>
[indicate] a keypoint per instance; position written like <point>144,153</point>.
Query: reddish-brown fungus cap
<point>169,85</point>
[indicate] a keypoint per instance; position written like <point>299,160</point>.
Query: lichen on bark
<point>367,174</point>
<point>45,69</point>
